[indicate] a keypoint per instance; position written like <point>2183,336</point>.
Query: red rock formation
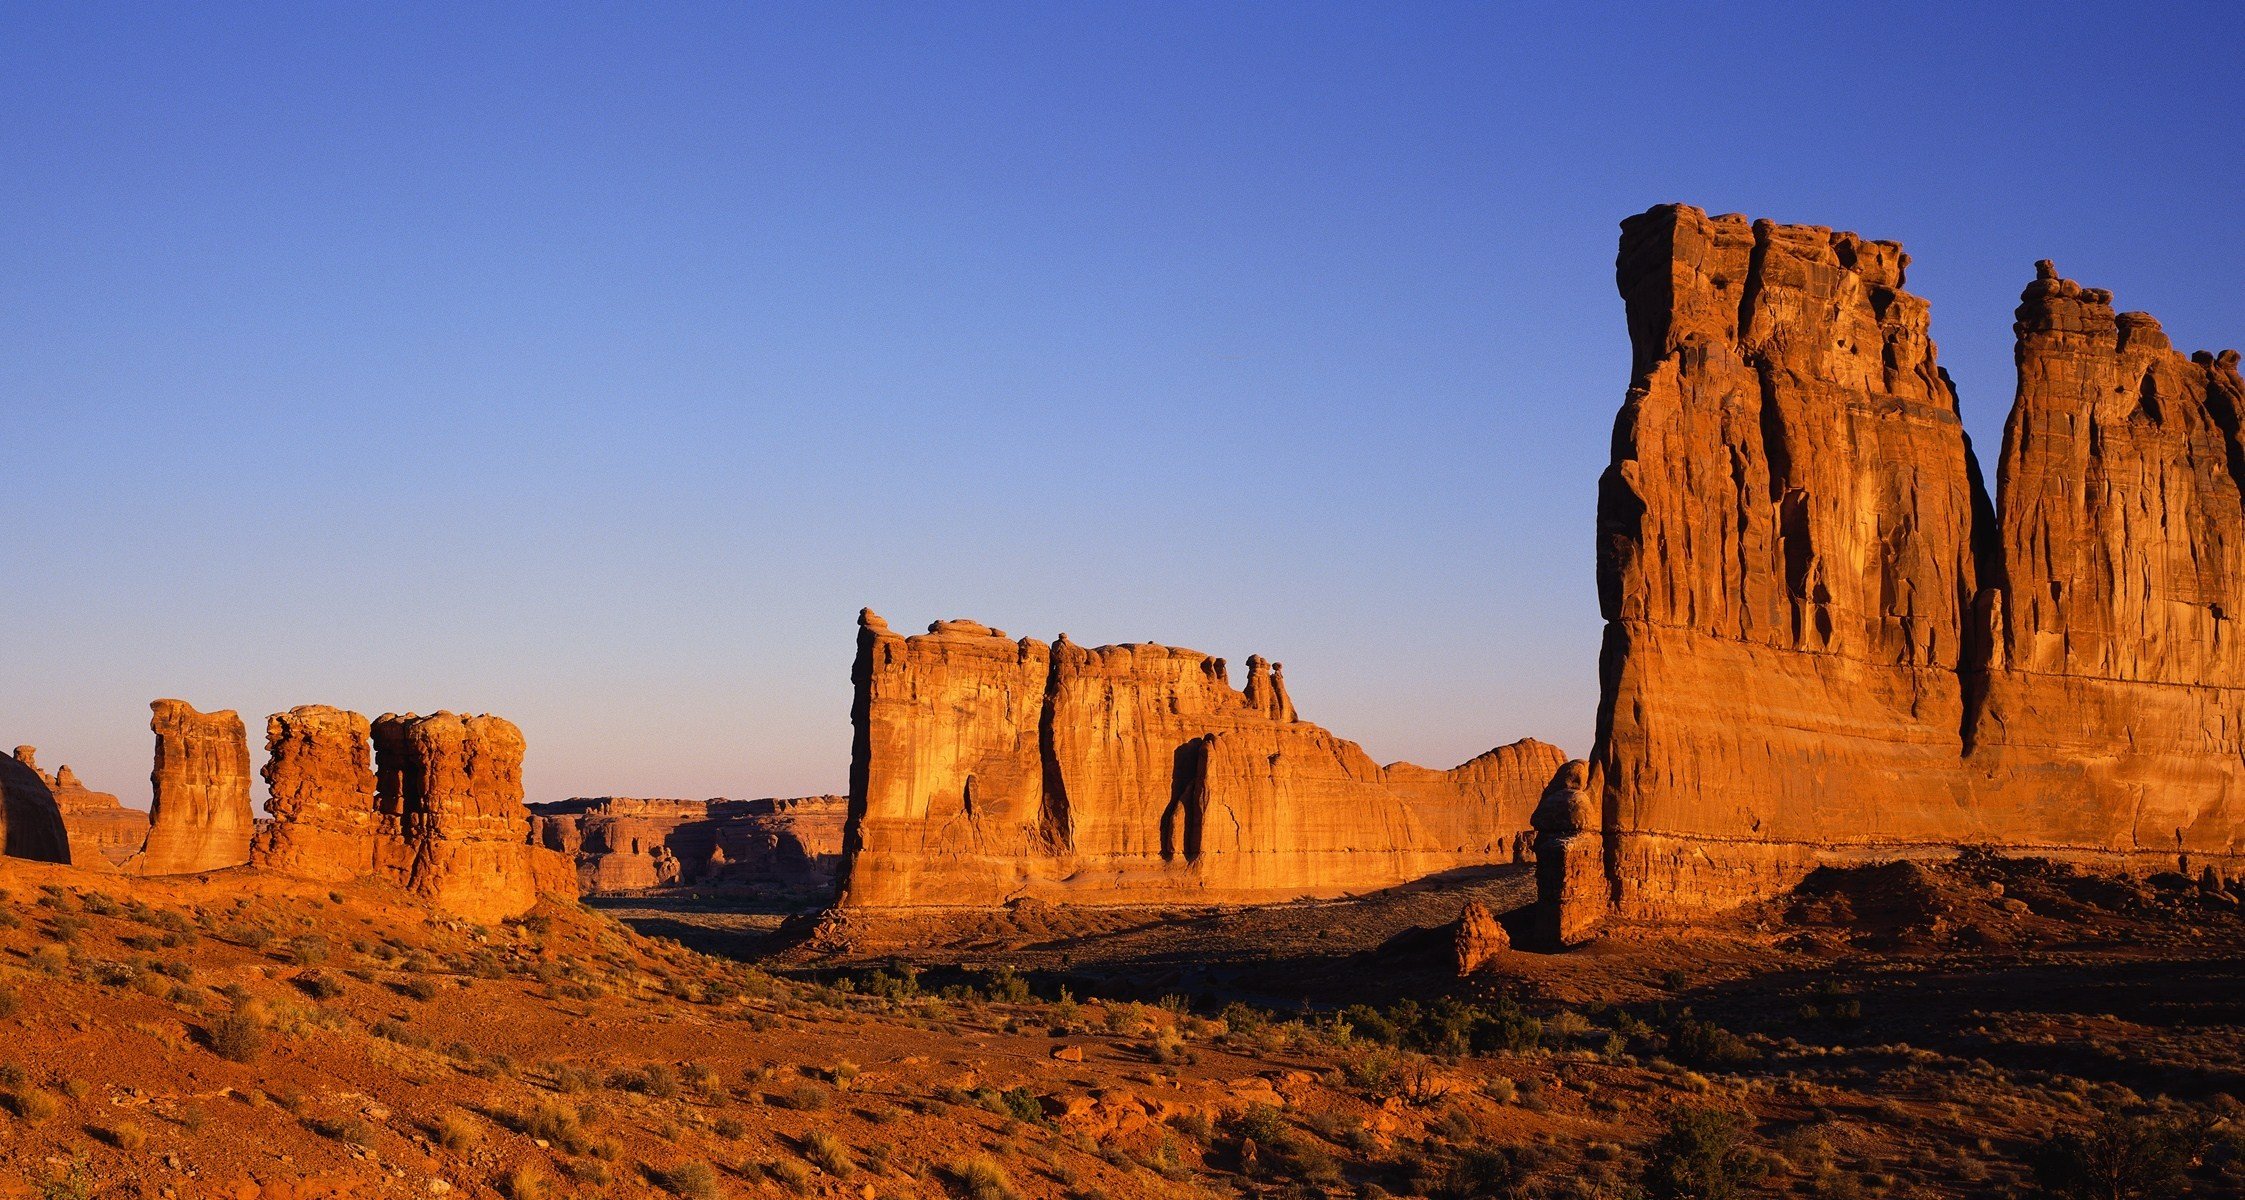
<point>1570,842</point>
<point>988,769</point>
<point>30,821</point>
<point>440,812</point>
<point>103,833</point>
<point>781,847</point>
<point>1823,645</point>
<point>319,781</point>
<point>1479,938</point>
<point>199,815</point>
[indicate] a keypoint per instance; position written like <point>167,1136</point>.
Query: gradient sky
<point>593,365</point>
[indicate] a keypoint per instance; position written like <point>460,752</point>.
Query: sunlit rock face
<point>1824,642</point>
<point>988,769</point>
<point>198,812</point>
<point>103,833</point>
<point>438,809</point>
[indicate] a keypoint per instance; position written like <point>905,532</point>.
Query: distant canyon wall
<point>987,769</point>
<point>1824,643</point>
<point>770,846</point>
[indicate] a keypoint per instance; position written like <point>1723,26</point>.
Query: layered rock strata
<point>439,811</point>
<point>621,844</point>
<point>988,769</point>
<point>30,821</point>
<point>102,832</point>
<point>199,811</point>
<point>1823,642</point>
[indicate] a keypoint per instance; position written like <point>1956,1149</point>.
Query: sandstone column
<point>199,818</point>
<point>319,778</point>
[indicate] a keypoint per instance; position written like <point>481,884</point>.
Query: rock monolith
<point>199,815</point>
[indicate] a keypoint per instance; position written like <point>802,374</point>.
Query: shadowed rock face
<point>439,811</point>
<point>199,813</point>
<point>1823,643</point>
<point>102,832</point>
<point>988,769</point>
<point>30,821</point>
<point>624,844</point>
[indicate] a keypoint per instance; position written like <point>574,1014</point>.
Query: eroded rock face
<point>199,813</point>
<point>1480,939</point>
<point>319,783</point>
<point>103,833</point>
<point>439,811</point>
<point>988,769</point>
<point>30,820</point>
<point>1824,645</point>
<point>774,846</point>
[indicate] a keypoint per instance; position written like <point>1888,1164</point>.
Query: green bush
<point>1701,1155</point>
<point>2118,1158</point>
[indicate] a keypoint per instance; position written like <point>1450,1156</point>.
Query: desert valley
<point>1906,861</point>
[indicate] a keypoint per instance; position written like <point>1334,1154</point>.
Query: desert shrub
<point>653,1079</point>
<point>800,1096</point>
<point>523,1183</point>
<point>2119,1157</point>
<point>1006,986</point>
<point>29,1104</point>
<point>693,1179</point>
<point>728,1127</point>
<point>455,1131</point>
<point>124,1135</point>
<point>553,1122</point>
<point>236,1037</point>
<point>10,1001</point>
<point>793,1176</point>
<point>1701,1155</point>
<point>416,988</point>
<point>829,1153</point>
<point>1478,1173</point>
<point>346,1129</point>
<point>979,1178</point>
<point>1269,1148</point>
<point>65,927</point>
<point>305,950</point>
<point>319,985</point>
<point>1706,1045</point>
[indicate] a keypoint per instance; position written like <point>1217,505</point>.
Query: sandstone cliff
<point>30,821</point>
<point>987,769</point>
<point>439,811</point>
<point>1824,644</point>
<point>771,846</point>
<point>198,813</point>
<point>102,832</point>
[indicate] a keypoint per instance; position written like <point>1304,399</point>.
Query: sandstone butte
<point>437,809</point>
<point>986,770</point>
<point>199,815</point>
<point>625,844</point>
<point>1825,644</point>
<point>102,832</point>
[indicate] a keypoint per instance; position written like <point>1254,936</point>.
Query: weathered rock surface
<point>1479,939</point>
<point>1824,645</point>
<point>30,821</point>
<point>987,770</point>
<point>199,813</point>
<point>103,833</point>
<point>319,783</point>
<point>1572,890</point>
<point>440,811</point>
<point>621,844</point>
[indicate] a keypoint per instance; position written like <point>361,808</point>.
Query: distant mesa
<point>1826,644</point>
<point>777,848</point>
<point>987,770</point>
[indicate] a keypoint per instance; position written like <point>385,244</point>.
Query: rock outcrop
<point>102,832</point>
<point>1823,644</point>
<point>199,812</point>
<point>779,847</point>
<point>439,812</point>
<point>30,821</point>
<point>987,770</point>
<point>1479,939</point>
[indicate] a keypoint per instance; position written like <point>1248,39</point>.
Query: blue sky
<point>593,365</point>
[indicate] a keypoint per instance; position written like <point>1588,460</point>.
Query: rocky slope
<point>987,769</point>
<point>1824,643</point>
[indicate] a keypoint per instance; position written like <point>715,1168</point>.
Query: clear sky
<point>593,365</point>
